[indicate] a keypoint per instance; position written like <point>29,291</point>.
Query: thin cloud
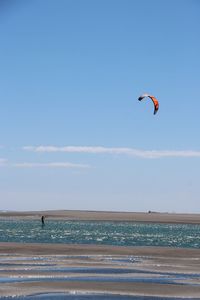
<point>50,165</point>
<point>67,165</point>
<point>118,151</point>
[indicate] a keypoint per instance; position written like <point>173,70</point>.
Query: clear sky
<point>73,134</point>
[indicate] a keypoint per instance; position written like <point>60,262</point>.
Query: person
<point>42,220</point>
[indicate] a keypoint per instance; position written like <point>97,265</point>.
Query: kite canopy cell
<point>154,100</point>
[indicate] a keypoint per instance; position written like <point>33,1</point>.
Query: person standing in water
<point>42,220</point>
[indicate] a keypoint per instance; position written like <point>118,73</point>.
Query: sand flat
<point>85,249</point>
<point>139,289</point>
<point>26,269</point>
<point>151,217</point>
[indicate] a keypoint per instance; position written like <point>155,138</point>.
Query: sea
<point>100,233</point>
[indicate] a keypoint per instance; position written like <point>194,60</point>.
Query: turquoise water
<point>105,233</point>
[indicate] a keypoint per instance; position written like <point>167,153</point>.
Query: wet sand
<point>154,217</point>
<point>27,269</point>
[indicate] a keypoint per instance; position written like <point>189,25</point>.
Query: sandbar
<point>81,215</point>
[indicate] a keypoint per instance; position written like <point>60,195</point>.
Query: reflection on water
<point>160,280</point>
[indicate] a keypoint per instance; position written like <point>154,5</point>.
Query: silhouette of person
<point>42,220</point>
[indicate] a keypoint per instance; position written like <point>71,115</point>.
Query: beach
<point>44,268</point>
<point>136,271</point>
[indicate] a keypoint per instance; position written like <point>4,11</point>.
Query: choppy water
<point>107,233</point>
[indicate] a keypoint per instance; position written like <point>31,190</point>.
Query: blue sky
<point>73,134</point>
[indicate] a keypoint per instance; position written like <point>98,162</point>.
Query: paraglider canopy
<point>154,100</point>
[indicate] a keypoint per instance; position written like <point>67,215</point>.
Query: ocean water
<point>102,233</point>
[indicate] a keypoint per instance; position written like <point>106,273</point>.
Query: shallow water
<point>105,233</point>
<point>160,280</point>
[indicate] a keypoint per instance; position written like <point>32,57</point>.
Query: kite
<point>155,101</point>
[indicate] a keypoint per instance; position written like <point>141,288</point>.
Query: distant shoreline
<point>81,215</point>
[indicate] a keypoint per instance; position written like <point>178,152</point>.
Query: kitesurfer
<point>42,220</point>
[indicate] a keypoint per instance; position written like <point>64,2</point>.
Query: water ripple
<point>110,233</point>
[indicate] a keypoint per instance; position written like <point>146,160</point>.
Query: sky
<point>73,134</point>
